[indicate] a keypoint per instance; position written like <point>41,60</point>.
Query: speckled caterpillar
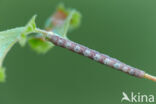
<point>94,55</point>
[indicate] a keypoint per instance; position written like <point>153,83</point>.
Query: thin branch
<point>150,77</point>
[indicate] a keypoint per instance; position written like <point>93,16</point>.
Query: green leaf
<point>63,20</point>
<point>29,28</point>
<point>70,23</point>
<point>7,40</point>
<point>10,37</point>
<point>39,45</point>
<point>75,20</point>
<point>2,74</point>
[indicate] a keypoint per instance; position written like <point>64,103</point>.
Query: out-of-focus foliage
<point>62,21</point>
<point>40,45</point>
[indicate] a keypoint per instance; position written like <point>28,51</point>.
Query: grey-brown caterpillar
<point>97,56</point>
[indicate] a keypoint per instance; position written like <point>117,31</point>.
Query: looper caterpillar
<point>96,56</point>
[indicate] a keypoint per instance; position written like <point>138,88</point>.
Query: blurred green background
<point>124,29</point>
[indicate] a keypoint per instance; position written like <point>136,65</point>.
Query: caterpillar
<point>96,56</point>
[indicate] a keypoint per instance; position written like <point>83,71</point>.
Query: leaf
<point>2,74</point>
<point>39,45</point>
<point>29,28</point>
<point>71,22</point>
<point>7,40</point>
<point>10,37</point>
<point>63,20</point>
<point>37,41</point>
<point>75,20</point>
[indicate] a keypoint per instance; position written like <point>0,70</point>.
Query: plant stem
<point>94,55</point>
